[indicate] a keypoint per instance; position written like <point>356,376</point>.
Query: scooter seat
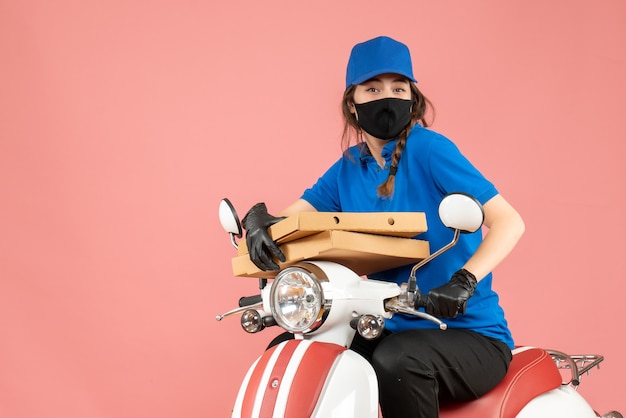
<point>531,373</point>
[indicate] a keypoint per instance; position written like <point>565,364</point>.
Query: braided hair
<point>418,112</point>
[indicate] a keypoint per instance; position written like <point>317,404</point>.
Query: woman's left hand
<point>448,300</point>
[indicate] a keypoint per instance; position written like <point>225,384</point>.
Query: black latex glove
<point>450,299</point>
<point>260,245</point>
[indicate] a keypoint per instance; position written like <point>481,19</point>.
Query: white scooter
<point>324,303</point>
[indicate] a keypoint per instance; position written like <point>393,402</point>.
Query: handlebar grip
<point>421,300</point>
<point>250,300</point>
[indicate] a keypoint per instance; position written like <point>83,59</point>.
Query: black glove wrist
<point>450,299</point>
<point>261,248</point>
<point>466,279</point>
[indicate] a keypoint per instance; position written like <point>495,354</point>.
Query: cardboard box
<point>397,224</point>
<point>362,252</point>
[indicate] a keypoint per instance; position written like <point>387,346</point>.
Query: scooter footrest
<point>531,373</point>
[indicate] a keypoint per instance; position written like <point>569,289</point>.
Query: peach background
<point>122,124</point>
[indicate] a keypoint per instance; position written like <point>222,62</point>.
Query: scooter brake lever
<point>238,310</point>
<point>396,305</point>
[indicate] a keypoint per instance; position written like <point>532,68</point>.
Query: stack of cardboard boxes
<point>364,242</point>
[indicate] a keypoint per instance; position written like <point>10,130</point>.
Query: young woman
<point>399,165</point>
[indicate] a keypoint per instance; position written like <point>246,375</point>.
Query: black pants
<point>418,370</point>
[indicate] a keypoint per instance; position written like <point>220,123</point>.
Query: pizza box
<point>302,224</point>
<point>364,253</point>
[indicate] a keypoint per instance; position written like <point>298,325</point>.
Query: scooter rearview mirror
<point>229,219</point>
<point>459,211</point>
<point>231,224</point>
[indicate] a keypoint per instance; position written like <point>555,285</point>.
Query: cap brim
<point>363,78</point>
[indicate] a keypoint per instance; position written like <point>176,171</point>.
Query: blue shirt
<point>430,167</point>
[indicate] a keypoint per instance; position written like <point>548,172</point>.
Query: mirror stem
<point>452,243</point>
<point>233,240</point>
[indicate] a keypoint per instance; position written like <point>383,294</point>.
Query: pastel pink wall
<point>122,125</point>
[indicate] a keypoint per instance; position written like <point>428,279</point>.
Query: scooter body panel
<point>563,402</point>
<point>351,389</point>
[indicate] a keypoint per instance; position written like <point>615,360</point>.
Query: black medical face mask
<point>384,118</point>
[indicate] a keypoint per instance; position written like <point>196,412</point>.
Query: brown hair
<point>351,128</point>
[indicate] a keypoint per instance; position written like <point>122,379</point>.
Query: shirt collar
<point>365,154</point>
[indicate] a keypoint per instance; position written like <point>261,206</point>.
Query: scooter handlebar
<point>420,300</point>
<point>395,305</point>
<point>250,300</point>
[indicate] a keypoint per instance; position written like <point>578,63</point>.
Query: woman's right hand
<point>261,248</point>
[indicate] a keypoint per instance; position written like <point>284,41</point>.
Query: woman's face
<point>382,87</point>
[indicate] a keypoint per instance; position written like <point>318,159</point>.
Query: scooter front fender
<point>300,378</point>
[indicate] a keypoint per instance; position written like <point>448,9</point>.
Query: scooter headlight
<point>297,299</point>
